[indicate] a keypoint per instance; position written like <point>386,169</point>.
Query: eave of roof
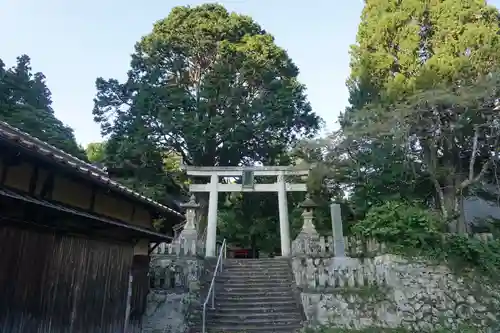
<point>140,231</point>
<point>57,156</point>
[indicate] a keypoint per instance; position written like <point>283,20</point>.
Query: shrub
<point>400,224</point>
<point>407,228</point>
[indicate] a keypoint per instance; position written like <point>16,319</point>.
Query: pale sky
<point>74,42</point>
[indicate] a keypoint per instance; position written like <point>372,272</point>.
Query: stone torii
<point>248,185</point>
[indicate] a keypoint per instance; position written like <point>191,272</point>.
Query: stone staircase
<point>255,295</point>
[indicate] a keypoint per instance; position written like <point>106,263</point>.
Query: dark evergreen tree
<point>25,103</point>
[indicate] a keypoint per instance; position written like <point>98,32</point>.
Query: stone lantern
<point>188,238</point>
<point>307,241</point>
<point>308,215</point>
<point>191,207</point>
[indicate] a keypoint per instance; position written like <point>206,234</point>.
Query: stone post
<point>211,241</point>
<point>307,240</point>
<point>337,229</point>
<point>189,234</point>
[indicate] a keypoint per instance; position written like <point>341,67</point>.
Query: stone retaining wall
<point>175,287</point>
<point>389,291</point>
<point>166,312</point>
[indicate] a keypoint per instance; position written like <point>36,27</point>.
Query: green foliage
<point>25,103</point>
<point>421,123</point>
<point>250,221</point>
<point>409,229</point>
<point>452,130</point>
<point>479,255</point>
<point>96,152</point>
<point>403,45</point>
<point>137,163</point>
<point>402,224</point>
<point>210,85</point>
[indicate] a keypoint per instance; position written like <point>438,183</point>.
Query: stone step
<point>243,304</point>
<point>270,284</point>
<point>256,267</point>
<point>232,263</point>
<point>244,328</point>
<point>257,261</point>
<point>255,295</point>
<point>253,308</point>
<point>254,278</point>
<point>267,295</point>
<point>261,317</point>
<point>238,290</point>
<point>255,273</point>
<point>230,281</point>
<point>260,320</point>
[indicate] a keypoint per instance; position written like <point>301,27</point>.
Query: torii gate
<point>248,185</point>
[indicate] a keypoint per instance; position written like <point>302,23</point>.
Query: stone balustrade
<point>320,274</point>
<point>182,247</point>
<point>315,246</point>
<point>322,247</point>
<point>173,272</point>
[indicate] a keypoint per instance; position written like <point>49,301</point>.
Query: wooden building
<point>74,244</point>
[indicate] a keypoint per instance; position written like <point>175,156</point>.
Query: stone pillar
<point>337,229</point>
<point>283,212</point>
<point>189,233</point>
<point>211,241</point>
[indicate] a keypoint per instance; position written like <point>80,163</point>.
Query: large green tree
<point>25,102</point>
<point>411,66</point>
<point>210,85</point>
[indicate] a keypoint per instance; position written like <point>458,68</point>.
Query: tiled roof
<point>14,135</point>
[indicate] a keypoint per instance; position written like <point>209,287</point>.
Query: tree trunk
<point>452,208</point>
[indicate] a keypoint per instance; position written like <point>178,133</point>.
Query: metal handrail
<point>211,290</point>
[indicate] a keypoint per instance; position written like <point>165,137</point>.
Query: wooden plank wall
<point>51,283</point>
<point>140,289</point>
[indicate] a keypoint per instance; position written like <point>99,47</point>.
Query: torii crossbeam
<point>248,185</point>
